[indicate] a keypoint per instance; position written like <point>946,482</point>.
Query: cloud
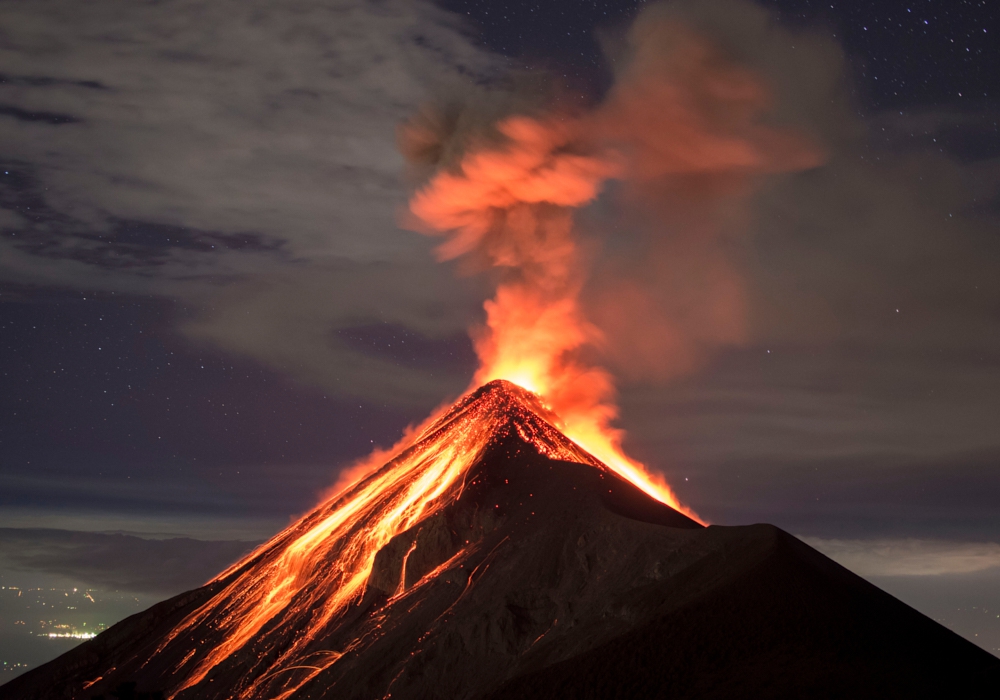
<point>871,334</point>
<point>302,321</point>
<point>909,557</point>
<point>241,116</point>
<point>206,153</point>
<point>118,561</point>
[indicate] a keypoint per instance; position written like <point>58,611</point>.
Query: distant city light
<point>72,635</point>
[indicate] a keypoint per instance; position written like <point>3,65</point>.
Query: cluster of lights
<point>72,635</point>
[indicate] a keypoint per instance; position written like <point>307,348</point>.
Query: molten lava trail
<point>299,584</point>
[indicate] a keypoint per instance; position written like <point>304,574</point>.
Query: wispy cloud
<point>909,557</point>
<point>117,561</point>
<point>240,157</point>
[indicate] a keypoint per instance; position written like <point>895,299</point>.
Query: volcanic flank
<point>494,558</point>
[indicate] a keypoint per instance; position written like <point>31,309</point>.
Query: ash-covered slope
<point>532,572</point>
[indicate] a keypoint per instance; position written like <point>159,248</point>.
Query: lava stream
<point>322,562</point>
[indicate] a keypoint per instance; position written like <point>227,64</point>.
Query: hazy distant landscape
<point>58,587</point>
<point>39,624</point>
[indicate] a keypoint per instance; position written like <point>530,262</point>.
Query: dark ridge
<point>629,501</point>
<point>794,625</point>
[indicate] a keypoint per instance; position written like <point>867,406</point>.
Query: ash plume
<point>684,132</point>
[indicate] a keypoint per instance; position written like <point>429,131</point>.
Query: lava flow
<point>303,579</point>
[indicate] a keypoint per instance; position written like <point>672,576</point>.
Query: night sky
<point>208,305</point>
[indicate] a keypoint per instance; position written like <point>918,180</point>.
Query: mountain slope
<point>533,571</point>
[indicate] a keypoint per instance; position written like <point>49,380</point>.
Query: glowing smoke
<point>682,130</point>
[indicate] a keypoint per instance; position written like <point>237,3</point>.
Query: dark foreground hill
<point>535,573</point>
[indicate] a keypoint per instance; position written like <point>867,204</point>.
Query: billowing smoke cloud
<point>691,123</point>
<point>683,129</point>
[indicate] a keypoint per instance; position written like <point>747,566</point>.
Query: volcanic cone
<point>494,558</point>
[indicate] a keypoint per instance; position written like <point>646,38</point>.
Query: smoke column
<point>681,129</point>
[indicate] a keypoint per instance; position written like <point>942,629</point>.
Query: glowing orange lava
<point>296,586</point>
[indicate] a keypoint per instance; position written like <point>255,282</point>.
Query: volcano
<point>494,558</point>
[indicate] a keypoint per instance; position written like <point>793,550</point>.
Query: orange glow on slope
<point>334,547</point>
<point>297,585</point>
